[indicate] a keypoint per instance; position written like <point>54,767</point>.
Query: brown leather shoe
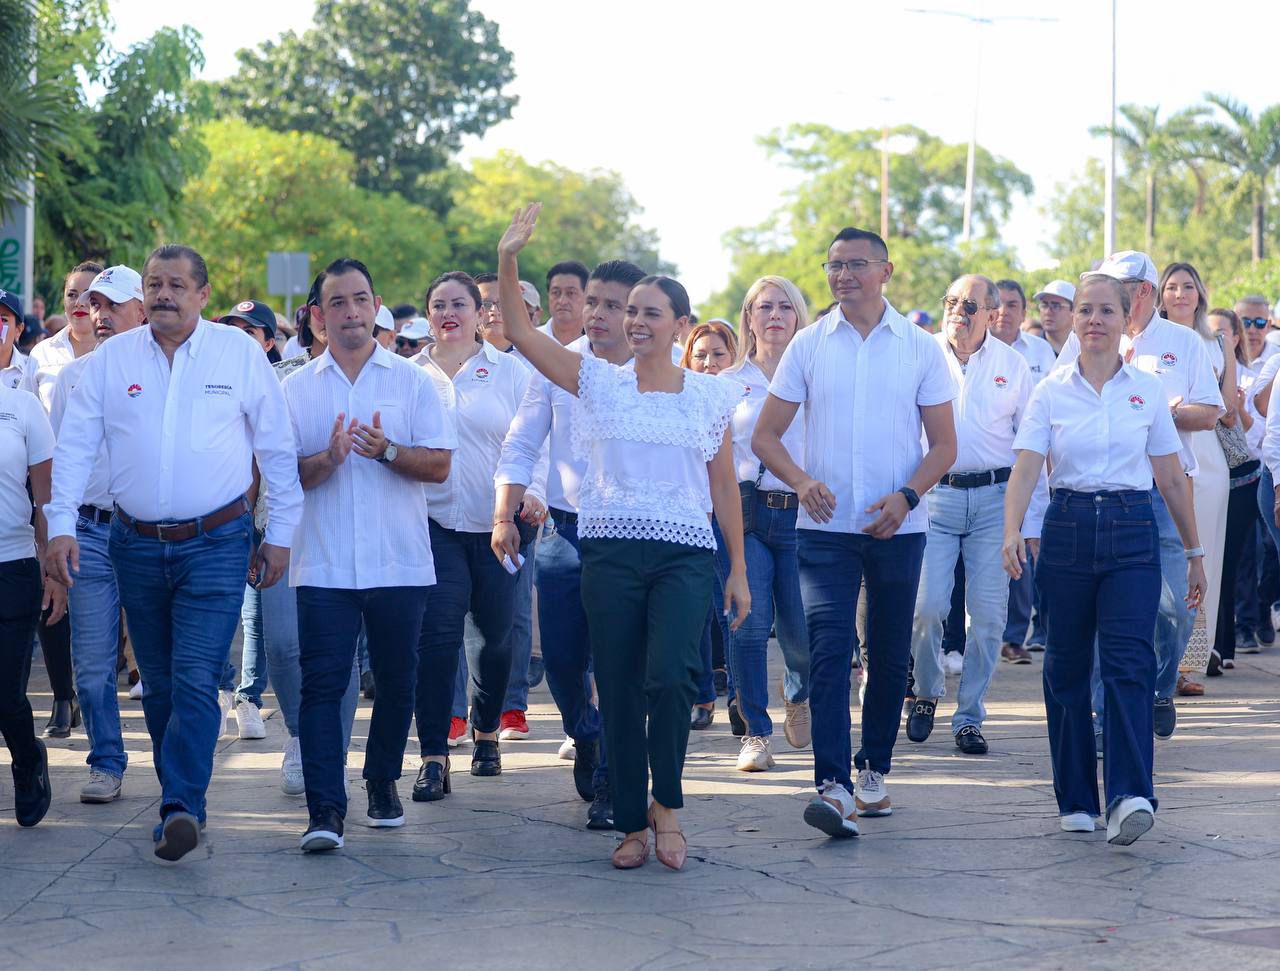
<point>1015,654</point>
<point>1188,688</point>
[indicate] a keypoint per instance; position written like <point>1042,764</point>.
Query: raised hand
<point>523,223</point>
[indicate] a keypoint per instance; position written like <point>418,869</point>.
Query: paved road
<point>970,870</point>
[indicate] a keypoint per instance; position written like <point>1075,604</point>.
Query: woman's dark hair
<point>677,295</point>
<point>456,276</point>
<point>1237,332</point>
<point>302,321</point>
<point>88,266</point>
<point>273,355</point>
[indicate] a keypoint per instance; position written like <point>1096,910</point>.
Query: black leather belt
<point>176,532</point>
<point>95,515</point>
<point>563,514</point>
<point>779,500</point>
<point>976,480</point>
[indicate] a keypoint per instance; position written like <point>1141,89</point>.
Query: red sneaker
<point>513,725</point>
<point>457,731</point>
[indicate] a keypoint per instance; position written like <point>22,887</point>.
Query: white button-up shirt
<point>98,491</point>
<point>13,373</point>
<point>1179,357</point>
<point>1099,442</point>
<point>180,439</point>
<point>47,359</point>
<point>366,525</point>
<point>755,389</point>
<point>25,440</point>
<point>1038,353</point>
<point>482,400</point>
<point>862,410</point>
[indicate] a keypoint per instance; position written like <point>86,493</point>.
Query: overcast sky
<point>674,97</point>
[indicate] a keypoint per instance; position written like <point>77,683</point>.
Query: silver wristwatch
<point>389,454</point>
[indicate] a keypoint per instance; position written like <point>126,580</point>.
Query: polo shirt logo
<point>1002,382</point>
<point>134,390</point>
<point>1168,359</point>
<point>482,374</point>
<point>223,390</point>
<point>1136,402</point>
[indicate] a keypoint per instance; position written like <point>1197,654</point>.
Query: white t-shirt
<point>25,440</point>
<point>647,454</point>
<point>755,389</point>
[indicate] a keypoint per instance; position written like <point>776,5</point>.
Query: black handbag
<point>528,532</point>
<point>748,492</point>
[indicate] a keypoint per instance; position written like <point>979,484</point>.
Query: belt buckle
<point>161,527</point>
<point>769,500</point>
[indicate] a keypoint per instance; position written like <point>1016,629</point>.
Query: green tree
<point>587,216</point>
<point>1251,146</point>
<point>842,187</point>
<point>396,82</point>
<point>264,191</point>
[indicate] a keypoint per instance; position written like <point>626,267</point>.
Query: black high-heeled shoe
<point>486,759</point>
<point>433,782</point>
<point>64,717</point>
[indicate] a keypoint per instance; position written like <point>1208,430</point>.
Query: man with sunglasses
<point>1254,312</point>
<point>870,381</point>
<point>966,511</point>
<point>413,337</point>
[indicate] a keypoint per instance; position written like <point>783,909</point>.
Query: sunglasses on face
<point>406,342</point>
<point>949,304</point>
<point>1259,322</point>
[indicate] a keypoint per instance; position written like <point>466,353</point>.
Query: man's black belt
<point>778,499</point>
<point>976,480</point>
<point>176,532</point>
<point>95,515</point>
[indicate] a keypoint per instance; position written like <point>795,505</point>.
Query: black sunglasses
<point>406,342</point>
<point>1259,322</point>
<point>950,303</point>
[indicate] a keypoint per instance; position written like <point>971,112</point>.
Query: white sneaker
<point>953,662</point>
<point>1275,615</point>
<point>1130,819</point>
<point>226,701</point>
<point>832,810</point>
<point>292,781</point>
<point>568,751</point>
<point>862,686</point>
<point>135,692</point>
<point>755,755</point>
<point>872,795</point>
<point>1076,823</point>
<point>797,728</point>
<point>101,787</point>
<point>249,719</point>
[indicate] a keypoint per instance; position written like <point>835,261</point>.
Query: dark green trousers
<point>646,603</point>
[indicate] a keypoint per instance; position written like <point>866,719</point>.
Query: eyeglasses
<point>949,304</point>
<point>853,266</point>
<point>487,305</point>
<point>406,342</point>
<point>1259,322</point>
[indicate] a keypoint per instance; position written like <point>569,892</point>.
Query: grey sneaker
<point>101,787</point>
<point>797,728</point>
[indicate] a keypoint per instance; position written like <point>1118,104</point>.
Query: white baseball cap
<point>384,320</point>
<point>416,329</point>
<point>1129,264</point>
<point>530,294</point>
<point>1058,288</point>
<point>119,284</point>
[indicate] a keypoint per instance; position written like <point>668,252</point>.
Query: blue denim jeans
<point>562,623</point>
<point>468,579</point>
<point>1101,575</point>
<point>968,522</point>
<point>94,603</point>
<point>254,664</point>
<point>833,568</point>
<point>329,622</point>
<point>517,698</point>
<point>773,576</point>
<point>183,602</point>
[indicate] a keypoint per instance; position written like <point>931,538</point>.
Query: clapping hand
<point>340,439</point>
<point>369,440</point>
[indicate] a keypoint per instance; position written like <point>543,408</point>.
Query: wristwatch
<point>389,453</point>
<point>909,494</point>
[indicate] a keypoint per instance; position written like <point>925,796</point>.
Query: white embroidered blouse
<point>647,454</point>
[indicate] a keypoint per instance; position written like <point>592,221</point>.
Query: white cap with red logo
<point>119,284</point>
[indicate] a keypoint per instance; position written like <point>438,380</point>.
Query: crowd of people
<point>373,495</point>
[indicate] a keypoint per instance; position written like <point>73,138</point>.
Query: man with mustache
<point>184,407</point>
<point>114,301</point>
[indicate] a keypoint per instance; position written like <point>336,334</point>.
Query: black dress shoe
<point>385,810</point>
<point>600,812</point>
<point>721,678</point>
<point>920,721</point>
<point>433,782</point>
<point>701,718</point>
<point>737,724</point>
<point>970,741</point>
<point>31,791</point>
<point>486,759</point>
<point>586,758</point>
<point>64,717</point>
<point>367,686</point>
<point>324,831</point>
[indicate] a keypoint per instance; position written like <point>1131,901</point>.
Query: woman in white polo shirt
<point>1106,430</point>
<point>481,389</point>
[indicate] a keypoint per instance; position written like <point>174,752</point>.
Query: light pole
<point>1109,190</point>
<point>966,231</point>
<point>884,174</point>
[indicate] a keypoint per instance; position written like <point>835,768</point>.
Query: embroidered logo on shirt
<point>1002,381</point>
<point>134,390</point>
<point>1168,359</point>
<point>1136,402</point>
<point>482,374</point>
<point>218,389</point>
<point>244,306</point>
<point>1035,368</point>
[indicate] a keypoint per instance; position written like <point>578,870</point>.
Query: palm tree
<point>1250,146</point>
<point>1151,148</point>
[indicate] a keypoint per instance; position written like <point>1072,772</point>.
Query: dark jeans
<point>468,578</point>
<point>20,594</point>
<point>832,568</point>
<point>183,603</point>
<point>1242,514</point>
<point>55,645</point>
<point>954,633</point>
<point>645,601</point>
<point>1100,574</point>
<point>715,630</point>
<point>329,623</point>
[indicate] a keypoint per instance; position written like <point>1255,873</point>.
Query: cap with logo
<point>384,320</point>
<point>1058,288</point>
<point>255,314</point>
<point>530,294</point>
<point>1129,264</point>
<point>920,318</point>
<point>415,330</point>
<point>119,284</point>
<point>12,303</point>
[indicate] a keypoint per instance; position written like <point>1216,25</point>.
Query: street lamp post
<point>1109,190</point>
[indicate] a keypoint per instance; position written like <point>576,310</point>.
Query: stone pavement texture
<point>970,870</point>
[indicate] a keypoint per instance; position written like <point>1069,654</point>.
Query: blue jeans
<point>566,649</point>
<point>706,681</point>
<point>1022,596</point>
<point>833,567</point>
<point>183,603</point>
<point>469,578</point>
<point>94,603</point>
<point>329,623</point>
<point>968,522</point>
<point>1101,576</point>
<point>517,698</point>
<point>773,576</point>
<point>254,664</point>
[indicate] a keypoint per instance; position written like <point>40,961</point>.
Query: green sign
<point>17,252</point>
